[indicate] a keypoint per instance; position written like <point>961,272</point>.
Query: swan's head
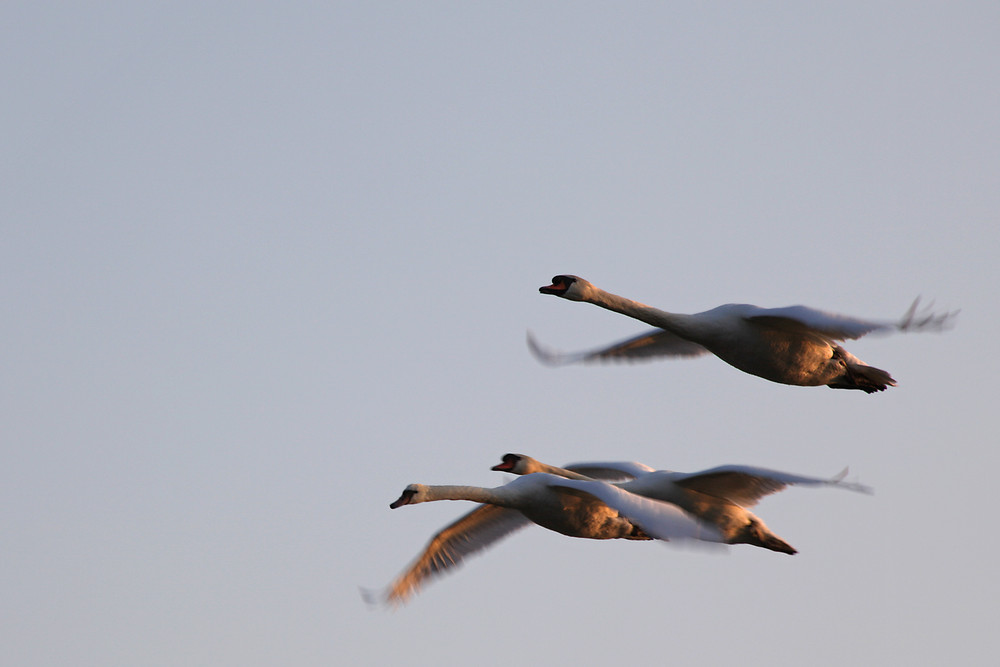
<point>414,493</point>
<point>569,287</point>
<point>518,464</point>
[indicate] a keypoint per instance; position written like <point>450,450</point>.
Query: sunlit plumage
<point>578,508</point>
<point>718,496</point>
<point>793,345</point>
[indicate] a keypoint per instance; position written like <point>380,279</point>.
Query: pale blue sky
<point>263,265</point>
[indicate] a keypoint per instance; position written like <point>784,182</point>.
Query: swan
<point>793,345</point>
<point>718,496</point>
<point>584,508</point>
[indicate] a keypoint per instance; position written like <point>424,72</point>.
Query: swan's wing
<point>610,471</point>
<point>925,319</point>
<point>746,485</point>
<point>472,532</point>
<point>662,520</point>
<point>805,319</point>
<point>842,327</point>
<point>645,346</point>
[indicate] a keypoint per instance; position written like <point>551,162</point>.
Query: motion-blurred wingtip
<point>543,355</point>
<point>838,480</point>
<point>379,599</point>
<point>923,318</point>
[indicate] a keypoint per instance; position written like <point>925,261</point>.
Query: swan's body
<point>718,496</point>
<point>794,345</point>
<point>579,508</point>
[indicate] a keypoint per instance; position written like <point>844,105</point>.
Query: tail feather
<point>870,379</point>
<point>859,375</point>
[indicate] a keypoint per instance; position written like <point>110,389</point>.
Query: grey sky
<point>264,265</point>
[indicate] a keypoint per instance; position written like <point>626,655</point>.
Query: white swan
<point>578,508</point>
<point>793,345</point>
<point>718,496</point>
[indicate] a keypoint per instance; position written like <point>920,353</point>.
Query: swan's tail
<point>859,375</point>
<point>866,378</point>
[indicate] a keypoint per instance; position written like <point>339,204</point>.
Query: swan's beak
<point>508,463</point>
<point>559,286</point>
<point>554,288</point>
<point>403,499</point>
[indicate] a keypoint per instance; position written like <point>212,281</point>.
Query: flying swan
<point>718,496</point>
<point>793,345</point>
<point>585,508</point>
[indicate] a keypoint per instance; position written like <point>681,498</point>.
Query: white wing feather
<point>610,471</point>
<point>843,327</point>
<point>745,485</point>
<point>658,519</point>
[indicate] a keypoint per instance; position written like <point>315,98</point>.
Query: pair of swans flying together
<point>600,501</point>
<point>794,345</point>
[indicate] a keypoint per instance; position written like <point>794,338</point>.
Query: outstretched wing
<point>660,343</point>
<point>610,471</point>
<point>802,319</point>
<point>841,327</point>
<point>746,485</point>
<point>472,532</point>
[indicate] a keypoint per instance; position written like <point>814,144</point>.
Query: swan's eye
<point>563,282</point>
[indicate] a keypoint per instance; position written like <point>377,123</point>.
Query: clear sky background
<point>264,264</point>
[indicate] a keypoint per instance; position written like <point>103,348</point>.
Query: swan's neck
<point>673,322</point>
<point>476,494</point>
